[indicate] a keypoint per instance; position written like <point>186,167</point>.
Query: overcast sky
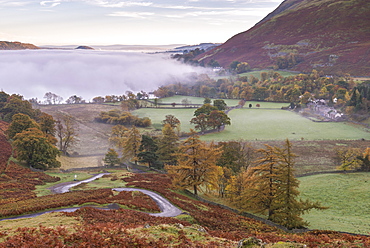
<point>135,22</point>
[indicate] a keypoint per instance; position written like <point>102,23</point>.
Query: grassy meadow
<point>348,199</point>
<point>267,122</point>
<point>271,124</point>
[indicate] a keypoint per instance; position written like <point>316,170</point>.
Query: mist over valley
<point>32,73</point>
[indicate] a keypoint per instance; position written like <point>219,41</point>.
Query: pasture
<point>276,124</point>
<point>348,199</point>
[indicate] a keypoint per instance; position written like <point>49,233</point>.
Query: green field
<point>348,199</point>
<point>157,115</point>
<point>257,74</point>
<point>195,100</point>
<point>269,124</point>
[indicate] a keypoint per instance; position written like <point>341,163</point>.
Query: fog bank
<point>32,73</point>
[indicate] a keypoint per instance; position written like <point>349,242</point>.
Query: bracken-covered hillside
<point>327,35</point>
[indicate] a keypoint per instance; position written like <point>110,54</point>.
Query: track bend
<point>167,209</point>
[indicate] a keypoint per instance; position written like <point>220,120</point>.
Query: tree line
<point>340,92</point>
<point>35,135</point>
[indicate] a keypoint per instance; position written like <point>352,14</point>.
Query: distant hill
<point>332,36</point>
<point>84,48</point>
<point>7,45</point>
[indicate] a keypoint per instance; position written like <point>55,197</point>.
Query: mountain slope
<point>327,35</point>
<point>7,45</point>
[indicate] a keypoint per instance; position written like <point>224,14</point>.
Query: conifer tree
<point>196,164</point>
<point>168,145</point>
<point>271,187</point>
<point>131,144</point>
<point>261,185</point>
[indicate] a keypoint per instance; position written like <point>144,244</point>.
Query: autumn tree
<point>66,132</point>
<point>365,160</point>
<point>15,104</point>
<point>173,121</point>
<point>222,180</point>
<point>131,144</point>
<point>271,188</point>
<point>168,145</point>
<point>347,158</point>
<point>196,164</point>
<point>47,125</point>
<point>33,147</point>
<point>237,156</point>
<point>117,136</point>
<point>200,121</point>
<point>217,119</point>
<point>20,122</point>
<point>111,157</point>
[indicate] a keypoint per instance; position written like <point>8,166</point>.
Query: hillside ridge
<point>9,45</point>
<point>303,35</point>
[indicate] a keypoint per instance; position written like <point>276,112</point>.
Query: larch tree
<point>261,186</point>
<point>168,146</point>
<point>271,187</point>
<point>117,136</point>
<point>131,144</point>
<point>196,164</point>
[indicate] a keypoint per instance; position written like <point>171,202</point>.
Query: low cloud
<point>32,73</point>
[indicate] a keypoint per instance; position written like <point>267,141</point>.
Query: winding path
<point>167,208</point>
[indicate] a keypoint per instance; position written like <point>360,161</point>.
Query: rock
<point>199,228</point>
<point>250,242</point>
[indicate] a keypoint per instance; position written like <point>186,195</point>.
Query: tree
<point>147,152</point>
<point>111,158</point>
<point>237,156</point>
<point>217,119</point>
<point>271,187</point>
<point>173,121</point>
<point>207,100</point>
<point>117,137</point>
<point>220,104</point>
<point>365,160</point>
<point>347,158</point>
<point>16,105</point>
<point>168,145</point>
<point>74,100</point>
<point>200,122</point>
<point>47,125</point>
<point>196,164</point>
<point>205,109</point>
<point>67,132</point>
<point>33,147</point>
<point>242,67</point>
<point>20,123</point>
<point>223,179</point>
<point>131,144</point>
<point>52,98</point>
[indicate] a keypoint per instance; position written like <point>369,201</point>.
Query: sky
<point>135,22</point>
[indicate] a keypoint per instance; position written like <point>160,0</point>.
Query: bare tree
<point>67,132</point>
